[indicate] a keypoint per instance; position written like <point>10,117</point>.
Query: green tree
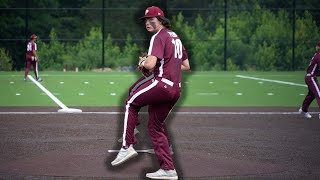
<point>130,53</point>
<point>113,52</point>
<point>272,33</point>
<point>89,50</point>
<point>307,34</point>
<point>50,54</point>
<point>5,60</point>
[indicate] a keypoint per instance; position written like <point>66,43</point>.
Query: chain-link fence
<point>219,35</point>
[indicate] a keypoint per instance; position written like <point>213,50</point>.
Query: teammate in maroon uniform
<point>166,56</point>
<point>311,80</point>
<point>32,58</point>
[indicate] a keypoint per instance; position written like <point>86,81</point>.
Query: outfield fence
<point>219,35</point>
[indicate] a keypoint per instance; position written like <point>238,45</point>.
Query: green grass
<point>110,89</point>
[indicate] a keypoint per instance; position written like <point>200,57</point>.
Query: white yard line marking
<point>178,113</point>
<point>56,100</point>
<point>44,94</point>
<point>78,75</point>
<point>208,94</point>
<point>270,80</point>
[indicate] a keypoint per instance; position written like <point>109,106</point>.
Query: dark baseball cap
<point>153,11</point>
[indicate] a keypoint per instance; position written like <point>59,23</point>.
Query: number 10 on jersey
<point>177,48</point>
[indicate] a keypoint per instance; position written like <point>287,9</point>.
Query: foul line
<point>178,113</point>
<point>270,80</point>
<point>57,101</point>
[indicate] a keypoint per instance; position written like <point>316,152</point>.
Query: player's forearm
<point>185,66</point>
<point>150,62</point>
<point>35,54</point>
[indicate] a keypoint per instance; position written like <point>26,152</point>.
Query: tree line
<point>258,37</point>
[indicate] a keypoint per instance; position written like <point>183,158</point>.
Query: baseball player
<point>32,58</point>
<point>313,71</point>
<point>166,55</point>
<point>147,76</point>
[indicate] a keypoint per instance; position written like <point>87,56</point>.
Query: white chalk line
<point>178,113</point>
<point>77,75</point>
<point>271,80</point>
<point>56,100</point>
<point>150,151</point>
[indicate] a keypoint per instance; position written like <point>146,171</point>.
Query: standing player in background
<point>166,55</point>
<point>32,58</point>
<point>313,71</point>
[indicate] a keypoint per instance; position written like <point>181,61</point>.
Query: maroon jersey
<point>314,66</point>
<point>30,47</point>
<point>170,52</point>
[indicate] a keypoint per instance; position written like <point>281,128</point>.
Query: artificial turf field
<point>226,89</point>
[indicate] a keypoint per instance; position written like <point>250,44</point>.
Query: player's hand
<point>142,59</point>
<point>141,68</point>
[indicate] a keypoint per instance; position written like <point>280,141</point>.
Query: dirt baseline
<point>235,143</point>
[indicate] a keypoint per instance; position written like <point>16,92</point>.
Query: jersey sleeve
<point>34,47</point>
<point>317,60</point>
<point>156,47</point>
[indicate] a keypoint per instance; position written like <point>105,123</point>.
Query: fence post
<point>27,20</point>
<point>102,31</point>
<point>293,34</point>
<point>225,33</point>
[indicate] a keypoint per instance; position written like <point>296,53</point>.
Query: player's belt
<point>167,81</point>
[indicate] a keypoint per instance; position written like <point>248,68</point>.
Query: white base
<point>69,110</point>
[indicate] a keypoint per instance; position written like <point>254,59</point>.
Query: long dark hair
<point>164,21</point>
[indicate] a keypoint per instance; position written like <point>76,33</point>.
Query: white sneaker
<point>136,131</point>
<point>124,155</point>
<point>163,174</point>
<point>305,114</point>
<point>39,79</point>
